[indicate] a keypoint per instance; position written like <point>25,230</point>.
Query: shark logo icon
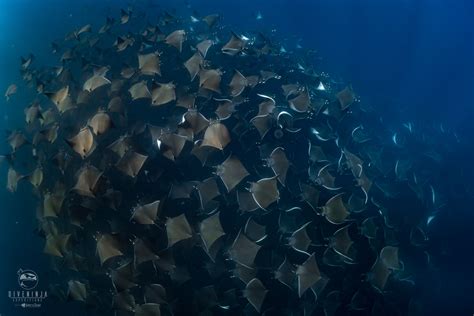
<point>27,279</point>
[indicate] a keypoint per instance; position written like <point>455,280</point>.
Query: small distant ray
<point>16,140</point>
<point>356,166</point>
<point>148,309</point>
<point>389,257</point>
<point>146,214</point>
<point>178,229</point>
<point>164,93</point>
<point>211,230</point>
<point>194,64</point>
<point>334,210</point>
<point>246,201</point>
<point>128,72</point>
<point>301,103</point>
<point>120,146</point>
<point>210,79</point>
<point>235,45</point>
<point>237,84</point>
<point>216,136</point>
<point>300,240</point>
<point>267,106</point>
<point>125,16</point>
<point>140,91</point>
<point>176,39</point>
<point>332,303</point>
<point>326,179</point>
<point>149,64</point>
<point>225,108</point>
<point>310,195</point>
<point>142,253</point>
<point>77,290</point>
<point>290,90</point>
<point>155,293</point>
<point>262,123</point>
<point>203,47</point>
<point>346,97</point>
<point>107,26</point>
<point>279,164</point>
<point>61,99</point>
<point>243,250</point>
<point>108,247</point>
<point>185,99</point>
<point>265,192</point>
<point>11,90</point>
<point>196,121</point>
<point>232,172</point>
<point>255,292</point>
<point>379,274</point>
<point>286,274</point>
<point>95,82</point>
<point>122,43</point>
<point>243,273</point>
<point>266,75</point>
<point>357,203</point>
<point>342,243</point>
<point>123,277</point>
<point>124,301</point>
<point>369,228</point>
<point>207,190</point>
<point>36,177</point>
<point>100,123</point>
<point>131,163</point>
<point>83,143</point>
<point>87,178</point>
<point>56,245</point>
<point>254,231</point>
<point>33,113</point>
<point>52,204</point>
<point>308,275</point>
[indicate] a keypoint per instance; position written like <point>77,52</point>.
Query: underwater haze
<point>265,157</point>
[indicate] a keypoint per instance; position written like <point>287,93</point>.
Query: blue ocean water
<point>412,61</point>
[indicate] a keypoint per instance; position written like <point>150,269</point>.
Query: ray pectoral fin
<point>265,192</point>
<point>255,292</point>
